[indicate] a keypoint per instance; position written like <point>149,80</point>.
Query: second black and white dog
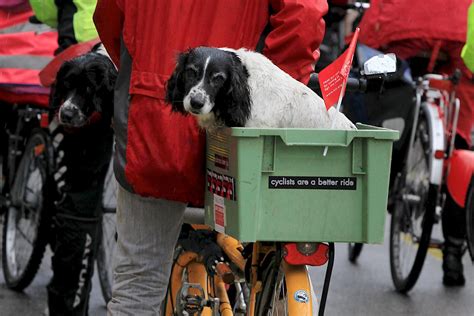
<point>82,98</point>
<point>241,88</point>
<point>84,89</point>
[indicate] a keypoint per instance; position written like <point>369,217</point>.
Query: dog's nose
<point>197,103</point>
<point>68,114</point>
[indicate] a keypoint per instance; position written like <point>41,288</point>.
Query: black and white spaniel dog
<point>84,89</point>
<point>241,88</point>
<point>82,101</point>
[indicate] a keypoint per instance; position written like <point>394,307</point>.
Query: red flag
<point>333,78</point>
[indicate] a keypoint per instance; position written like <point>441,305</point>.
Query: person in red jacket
<point>160,156</point>
<point>434,29</point>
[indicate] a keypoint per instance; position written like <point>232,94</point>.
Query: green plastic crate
<point>276,185</point>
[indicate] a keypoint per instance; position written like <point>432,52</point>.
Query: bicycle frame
<point>297,278</point>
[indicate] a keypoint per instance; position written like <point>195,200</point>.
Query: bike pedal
<point>191,304</point>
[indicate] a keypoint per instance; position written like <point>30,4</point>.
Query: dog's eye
<point>191,73</point>
<point>218,79</point>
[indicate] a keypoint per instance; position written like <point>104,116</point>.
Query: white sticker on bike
<point>301,296</point>
<point>219,214</point>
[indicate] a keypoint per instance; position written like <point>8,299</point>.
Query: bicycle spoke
<point>279,301</point>
<point>420,160</point>
<point>24,235</point>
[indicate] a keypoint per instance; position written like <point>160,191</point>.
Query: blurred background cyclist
<point>431,36</point>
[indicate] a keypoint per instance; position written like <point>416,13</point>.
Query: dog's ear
<point>175,85</point>
<point>237,102</point>
<point>104,96</point>
<point>101,72</point>
<point>60,86</point>
<point>110,75</point>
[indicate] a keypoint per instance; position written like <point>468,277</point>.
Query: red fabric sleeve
<point>108,19</point>
<point>297,32</point>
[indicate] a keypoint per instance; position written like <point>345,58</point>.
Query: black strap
<point>263,37</point>
<point>265,32</point>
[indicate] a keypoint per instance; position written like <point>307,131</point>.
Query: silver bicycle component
<point>240,305</point>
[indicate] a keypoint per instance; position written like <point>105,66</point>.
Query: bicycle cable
<point>327,279</point>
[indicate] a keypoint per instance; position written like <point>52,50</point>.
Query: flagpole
<point>338,106</point>
<point>337,69</point>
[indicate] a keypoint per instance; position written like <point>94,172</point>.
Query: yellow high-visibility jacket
<point>79,11</point>
<point>468,50</point>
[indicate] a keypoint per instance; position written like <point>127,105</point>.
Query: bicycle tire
<point>354,250</point>
<point>108,237</point>
<point>19,280</point>
<point>406,218</point>
<point>104,257</point>
<point>470,219</point>
<point>274,298</point>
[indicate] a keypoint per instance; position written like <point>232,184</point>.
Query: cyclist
<point>416,34</point>
<point>77,218</point>
<point>160,156</point>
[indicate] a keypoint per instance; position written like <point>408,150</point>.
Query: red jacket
<point>164,152</point>
<point>389,20</point>
<point>25,49</point>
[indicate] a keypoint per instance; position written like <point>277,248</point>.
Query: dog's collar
<point>95,118</point>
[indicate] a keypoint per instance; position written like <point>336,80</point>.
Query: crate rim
<point>313,136</point>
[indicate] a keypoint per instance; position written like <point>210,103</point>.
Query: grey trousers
<point>147,231</point>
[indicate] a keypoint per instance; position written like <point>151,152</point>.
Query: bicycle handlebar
<point>353,84</point>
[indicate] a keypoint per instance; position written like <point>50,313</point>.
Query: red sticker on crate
<point>221,185</point>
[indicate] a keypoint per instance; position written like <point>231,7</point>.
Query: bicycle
<point>25,195</point>
<point>419,196</point>
<point>28,195</point>
<point>266,274</point>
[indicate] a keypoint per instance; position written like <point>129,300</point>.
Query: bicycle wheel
<point>108,238</point>
<point>413,213</point>
<point>287,290</point>
<point>470,219</point>
<point>27,220</point>
<point>354,250</point>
